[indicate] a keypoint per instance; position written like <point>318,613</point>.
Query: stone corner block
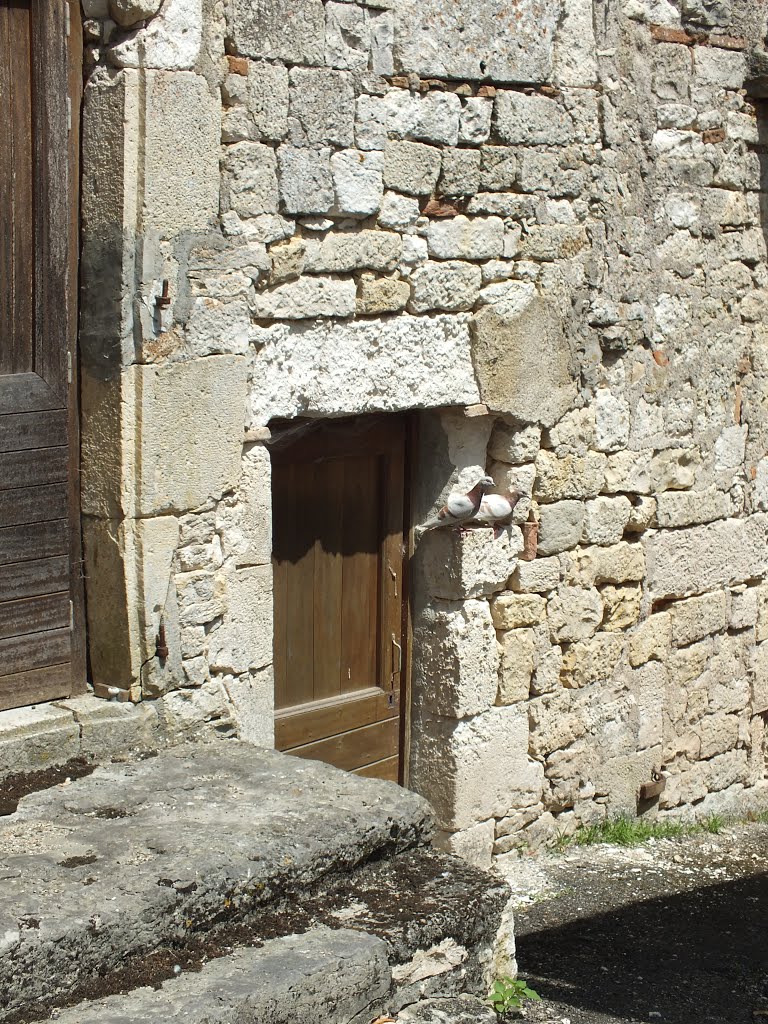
<point>523,362</point>
<point>35,738</point>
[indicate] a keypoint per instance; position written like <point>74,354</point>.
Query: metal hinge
<point>69,367</point>
<point>71,616</point>
<point>69,115</point>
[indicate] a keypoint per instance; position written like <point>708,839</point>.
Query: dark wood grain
<point>33,578</point>
<point>33,504</point>
<point>33,541</point>
<point>36,650</point>
<point>25,430</point>
<point>328,516</point>
<point>25,392</point>
<point>300,589</point>
<point>356,748</point>
<point>25,469</point>
<point>360,574</point>
<point>34,615</point>
<point>323,718</point>
<point>387,769</point>
<point>16,191</point>
<point>38,685</point>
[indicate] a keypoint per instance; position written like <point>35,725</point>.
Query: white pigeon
<point>496,511</point>
<point>459,508</point>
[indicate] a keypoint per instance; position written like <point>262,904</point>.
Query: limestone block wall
<point>554,209</point>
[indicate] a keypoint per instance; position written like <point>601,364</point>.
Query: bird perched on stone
<point>460,508</point>
<point>496,511</point>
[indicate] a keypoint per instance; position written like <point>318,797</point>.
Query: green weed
<point>508,994</point>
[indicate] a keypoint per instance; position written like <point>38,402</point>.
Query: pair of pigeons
<point>475,508</point>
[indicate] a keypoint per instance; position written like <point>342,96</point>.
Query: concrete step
<point>111,882</point>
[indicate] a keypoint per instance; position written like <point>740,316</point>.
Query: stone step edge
<point>457,940</point>
<point>39,962</point>
<point>334,976</point>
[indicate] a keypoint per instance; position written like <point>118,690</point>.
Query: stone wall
<point>549,212</point>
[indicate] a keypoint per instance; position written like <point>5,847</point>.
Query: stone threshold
<point>193,864</point>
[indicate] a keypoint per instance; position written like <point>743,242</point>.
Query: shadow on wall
<point>698,956</point>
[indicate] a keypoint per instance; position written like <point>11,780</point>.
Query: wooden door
<point>41,655</point>
<point>338,542</point>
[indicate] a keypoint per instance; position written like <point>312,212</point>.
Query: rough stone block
<point>254,521</point>
<point>475,121</point>
<point>398,212</point>
<point>560,526</point>
<point>341,252</point>
<point>620,563</point>
<point>537,577</point>
<point>460,175</point>
<point>395,363</point>
<point>518,659</point>
<point>692,507</point>
<point>279,29</point>
<point>267,99</point>
<point>474,845</point>
<point>568,477</point>
<point>574,614</point>
<point>509,611</point>
<point>306,183</point>
<point>450,285</point>
<point>674,469</point>
<point>524,363</point>
<point>35,738</point>
<point>376,295</point>
<point>456,673</point>
<point>307,298</point>
<point>546,673</point>
<point>358,180</point>
<point>743,613</point>
<point>180,151</point>
<point>476,238</point>
<point>651,639</point>
<point>321,107</point>
<point>697,617</point>
<point>498,171</point>
<point>605,520</point>
<point>170,40</point>
<point>628,471</point>
<point>347,36</point>
<point>591,660</point>
<point>467,40</point>
<point>522,120</point>
<point>759,704</point>
<point>249,185</point>
<point>477,768</point>
<point>473,564</point>
<point>514,442</point>
<point>438,119</point>
<point>575,57</point>
<point>621,606</point>
<point>611,421</point>
<point>555,722</point>
<point>620,778</point>
<point>243,640</point>
<point>701,558</point>
<point>411,167</point>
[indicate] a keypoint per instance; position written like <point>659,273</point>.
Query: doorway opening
<point>339,512</point>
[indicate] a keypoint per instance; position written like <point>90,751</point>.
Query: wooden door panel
<point>338,527</point>
<point>37,685</point>
<point>34,578</point>
<point>328,578</point>
<point>39,527</point>
<point>24,430</point>
<point>16,190</point>
<point>356,748</point>
<point>318,719</point>
<point>34,615</point>
<point>33,504</point>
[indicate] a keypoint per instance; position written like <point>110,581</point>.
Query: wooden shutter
<point>41,641</point>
